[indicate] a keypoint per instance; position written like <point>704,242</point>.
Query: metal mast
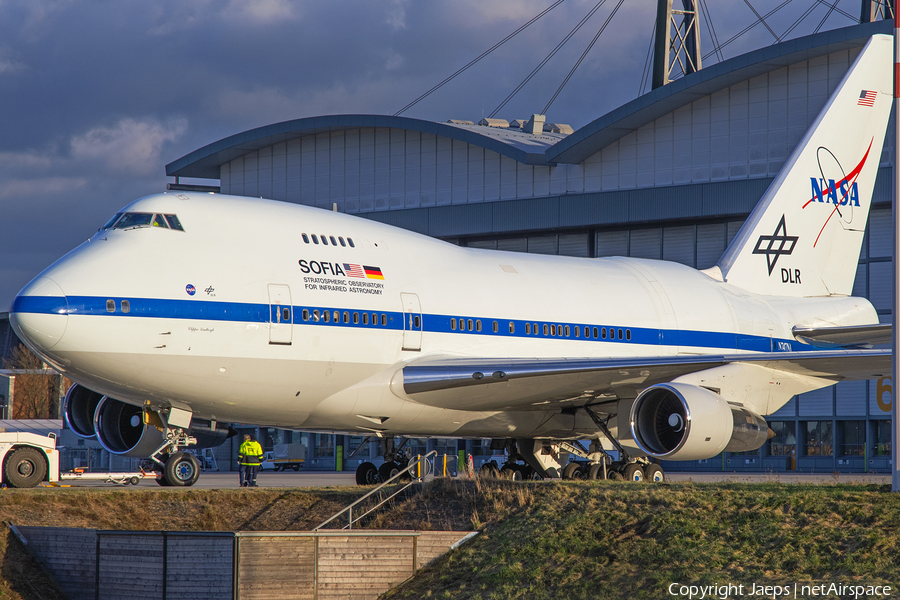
<point>875,10</point>
<point>677,40</point>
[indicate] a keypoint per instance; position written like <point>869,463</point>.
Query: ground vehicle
<point>29,459</point>
<point>288,456</point>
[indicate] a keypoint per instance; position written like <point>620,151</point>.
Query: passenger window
<point>160,221</point>
<point>316,316</point>
<point>374,319</point>
<point>305,314</point>
<point>496,327</point>
<point>174,223</point>
<point>546,329</point>
<point>305,238</point>
<point>478,325</point>
<point>343,245</point>
<point>333,243</point>
<point>553,330</point>
<point>285,314</point>
<point>470,325</point>
<point>620,334</point>
<point>512,327</point>
<point>527,328</point>
<point>324,240</point>
<point>577,331</point>
<point>628,334</point>
<point>126,306</point>
<point>567,331</point>
<point>365,318</point>
<point>327,316</point>
<point>603,333</point>
<point>337,317</point>
<point>595,333</point>
<point>418,322</point>
<point>346,317</point>
<point>350,241</point>
<point>452,324</point>
<point>315,239</point>
<point>384,320</point>
<point>356,318</point>
<point>111,306</point>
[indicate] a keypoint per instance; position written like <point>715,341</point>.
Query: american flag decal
<point>354,270</point>
<point>866,98</point>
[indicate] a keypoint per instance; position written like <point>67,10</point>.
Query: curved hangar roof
<point>546,148</point>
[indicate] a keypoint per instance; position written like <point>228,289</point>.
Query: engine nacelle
<point>123,429</point>
<point>679,421</point>
<point>81,403</point>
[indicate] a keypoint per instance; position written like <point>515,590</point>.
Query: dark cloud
<point>99,96</point>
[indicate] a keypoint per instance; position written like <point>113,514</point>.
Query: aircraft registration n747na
<point>188,311</point>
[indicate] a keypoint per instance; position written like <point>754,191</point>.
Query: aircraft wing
<point>536,384</point>
<point>853,336</point>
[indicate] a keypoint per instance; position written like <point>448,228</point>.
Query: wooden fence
<point>91,564</point>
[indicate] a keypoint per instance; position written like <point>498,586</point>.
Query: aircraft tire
<point>182,470</point>
<point>613,475</point>
<point>512,473</point>
<point>633,472</point>
<point>573,471</point>
<point>595,472</point>
<point>653,473</point>
<point>489,470</point>
<point>366,474</point>
<point>387,470</point>
<point>25,468</point>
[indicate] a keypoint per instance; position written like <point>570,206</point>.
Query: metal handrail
<point>418,464</point>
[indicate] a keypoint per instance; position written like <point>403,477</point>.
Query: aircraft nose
<point>40,314</point>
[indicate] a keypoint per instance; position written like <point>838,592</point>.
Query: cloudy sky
<point>98,95</point>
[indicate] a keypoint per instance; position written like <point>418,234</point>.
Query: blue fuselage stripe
<point>242,312</point>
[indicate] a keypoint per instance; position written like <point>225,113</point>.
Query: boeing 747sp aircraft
<point>189,311</point>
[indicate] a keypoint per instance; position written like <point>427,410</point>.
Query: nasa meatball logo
<point>190,289</point>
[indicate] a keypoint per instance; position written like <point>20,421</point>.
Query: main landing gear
<point>175,467</point>
<point>368,474</point>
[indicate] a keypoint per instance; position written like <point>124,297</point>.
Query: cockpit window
<point>174,223</point>
<point>134,220</point>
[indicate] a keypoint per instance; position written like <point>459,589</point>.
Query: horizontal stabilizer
<point>853,336</point>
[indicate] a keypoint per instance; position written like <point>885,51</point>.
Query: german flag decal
<point>373,272</point>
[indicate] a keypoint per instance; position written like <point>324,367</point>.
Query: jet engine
<point>129,430</point>
<point>679,421</point>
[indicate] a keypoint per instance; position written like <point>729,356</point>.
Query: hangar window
<point>110,306</point>
<point>350,241</point>
<point>126,306</point>
<point>305,238</point>
<point>453,324</point>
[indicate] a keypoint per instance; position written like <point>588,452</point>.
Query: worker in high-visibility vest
<point>249,459</point>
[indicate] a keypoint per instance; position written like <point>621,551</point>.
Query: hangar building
<point>670,175</point>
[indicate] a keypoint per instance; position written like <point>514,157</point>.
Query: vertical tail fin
<point>804,236</point>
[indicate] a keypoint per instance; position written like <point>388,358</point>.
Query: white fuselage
<point>251,344</point>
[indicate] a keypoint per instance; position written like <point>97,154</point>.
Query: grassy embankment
<point>538,540</point>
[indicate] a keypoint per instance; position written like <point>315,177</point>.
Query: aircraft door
<point>281,314</point>
<point>412,322</point>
